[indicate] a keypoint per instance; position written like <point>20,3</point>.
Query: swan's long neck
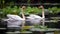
<point>43,16</point>
<point>23,17</point>
<point>23,14</point>
<point>43,13</point>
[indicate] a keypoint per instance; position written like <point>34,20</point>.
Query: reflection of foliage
<point>9,10</point>
<point>29,10</point>
<point>23,30</point>
<point>54,10</point>
<point>34,10</point>
<point>40,26</point>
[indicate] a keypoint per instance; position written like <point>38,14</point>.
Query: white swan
<point>14,20</point>
<point>34,19</point>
